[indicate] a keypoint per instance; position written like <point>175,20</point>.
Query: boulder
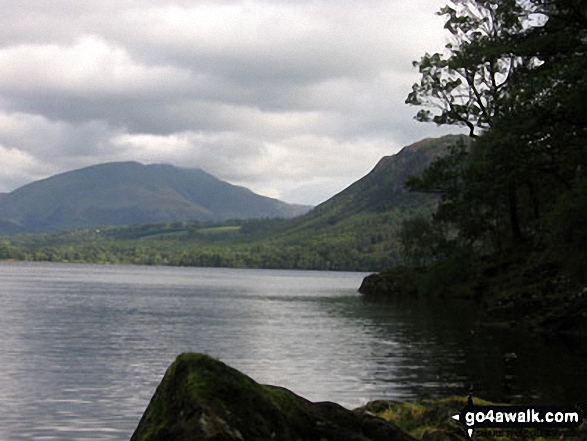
<point>201,398</point>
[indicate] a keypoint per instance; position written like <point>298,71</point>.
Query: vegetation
<point>510,226</point>
<point>361,242</point>
<point>431,420</point>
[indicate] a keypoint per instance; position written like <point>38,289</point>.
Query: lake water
<point>83,347</point>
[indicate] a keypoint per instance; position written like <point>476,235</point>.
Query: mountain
<point>121,193</point>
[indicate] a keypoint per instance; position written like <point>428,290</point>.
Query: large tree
<point>468,84</point>
<point>473,85</point>
<point>514,75</point>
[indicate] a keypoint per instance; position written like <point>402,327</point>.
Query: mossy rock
<point>426,419</point>
<point>201,398</point>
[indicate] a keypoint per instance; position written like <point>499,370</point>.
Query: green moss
<point>431,419</point>
<point>421,417</point>
<point>199,393</point>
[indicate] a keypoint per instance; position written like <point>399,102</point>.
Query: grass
<point>220,230</point>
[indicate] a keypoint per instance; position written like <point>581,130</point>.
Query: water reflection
<point>449,350</point>
<point>84,346</point>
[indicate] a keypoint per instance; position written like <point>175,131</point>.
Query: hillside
<point>357,229</point>
<point>122,193</point>
<point>382,189</point>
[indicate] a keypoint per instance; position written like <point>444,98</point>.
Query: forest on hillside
<point>359,242</point>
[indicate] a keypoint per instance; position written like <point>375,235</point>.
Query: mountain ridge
<point>121,193</point>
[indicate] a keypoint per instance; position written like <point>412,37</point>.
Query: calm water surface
<point>83,347</point>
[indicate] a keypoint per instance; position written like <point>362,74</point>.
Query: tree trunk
<point>513,214</point>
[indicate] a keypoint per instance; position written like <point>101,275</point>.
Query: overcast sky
<point>294,99</point>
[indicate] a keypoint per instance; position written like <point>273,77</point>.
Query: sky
<point>294,99</point>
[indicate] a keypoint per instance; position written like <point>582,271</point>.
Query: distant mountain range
<point>356,230</point>
<point>122,193</point>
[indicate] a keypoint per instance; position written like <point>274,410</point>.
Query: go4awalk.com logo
<point>518,417</point>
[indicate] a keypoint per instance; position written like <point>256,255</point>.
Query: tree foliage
<point>468,85</point>
<point>514,75</point>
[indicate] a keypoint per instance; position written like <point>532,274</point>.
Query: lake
<point>83,347</point>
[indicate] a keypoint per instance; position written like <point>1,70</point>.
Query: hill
<point>382,189</point>
<point>122,193</point>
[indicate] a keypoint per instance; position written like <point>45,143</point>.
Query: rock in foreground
<point>201,398</point>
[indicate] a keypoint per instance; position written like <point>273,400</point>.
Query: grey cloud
<point>262,93</point>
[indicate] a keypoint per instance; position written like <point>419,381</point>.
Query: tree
<point>510,76</point>
<point>420,240</point>
<point>470,86</point>
<point>568,232</point>
<point>472,205</point>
